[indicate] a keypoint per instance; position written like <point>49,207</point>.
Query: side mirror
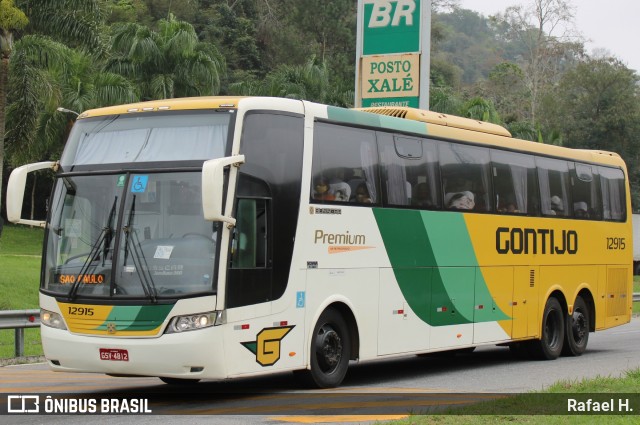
<point>213,187</point>
<point>15,191</point>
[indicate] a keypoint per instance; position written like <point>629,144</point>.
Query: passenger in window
<point>509,207</point>
<point>461,201</point>
<point>421,196</point>
<point>362,194</point>
<point>580,210</point>
<point>557,206</point>
<point>321,190</point>
<point>341,191</point>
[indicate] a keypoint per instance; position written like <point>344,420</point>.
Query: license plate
<point>114,354</point>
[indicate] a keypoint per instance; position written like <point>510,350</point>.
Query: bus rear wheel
<point>549,346</point>
<point>577,330</point>
<point>330,350</point>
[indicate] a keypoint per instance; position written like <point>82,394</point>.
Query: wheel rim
<point>328,349</point>
<point>579,326</point>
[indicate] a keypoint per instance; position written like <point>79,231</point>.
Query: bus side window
<point>613,194</point>
<point>514,182</point>
<point>342,155</point>
<point>584,191</point>
<point>465,176</point>
<point>409,164</point>
<point>553,179</point>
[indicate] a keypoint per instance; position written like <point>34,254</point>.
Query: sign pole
<point>425,57</point>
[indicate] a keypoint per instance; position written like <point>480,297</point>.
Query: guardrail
<point>21,319</point>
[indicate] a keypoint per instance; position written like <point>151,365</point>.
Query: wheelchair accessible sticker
<point>139,184</point>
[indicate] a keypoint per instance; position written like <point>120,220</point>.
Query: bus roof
<point>465,129</point>
<point>442,125</point>
<point>183,103</point>
<point>438,118</point>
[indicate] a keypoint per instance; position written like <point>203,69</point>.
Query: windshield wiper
<point>103,238</point>
<point>108,231</point>
<point>146,280</point>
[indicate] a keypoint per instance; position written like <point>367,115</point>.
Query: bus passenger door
<point>525,302</point>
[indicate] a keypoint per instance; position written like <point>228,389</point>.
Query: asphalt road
<point>370,391</point>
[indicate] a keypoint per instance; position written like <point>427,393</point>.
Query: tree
<point>39,84</point>
<point>506,87</point>
<point>72,22</point>
<point>11,19</point>
<point>169,63</point>
<point>310,81</point>
<point>543,29</point>
<point>480,109</point>
<point>596,106</point>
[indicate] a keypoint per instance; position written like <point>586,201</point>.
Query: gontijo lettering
<point>535,241</point>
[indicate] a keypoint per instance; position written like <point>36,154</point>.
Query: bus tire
<point>576,334</point>
<point>330,350</point>
<point>549,346</point>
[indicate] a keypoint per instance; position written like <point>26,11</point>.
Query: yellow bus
<point>213,238</point>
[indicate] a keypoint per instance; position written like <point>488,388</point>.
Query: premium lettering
<point>536,241</point>
<point>339,238</point>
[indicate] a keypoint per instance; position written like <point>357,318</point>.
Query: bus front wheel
<point>330,350</point>
<point>549,346</point>
<point>577,330</point>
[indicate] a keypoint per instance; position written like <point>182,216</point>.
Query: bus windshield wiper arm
<point>103,237</point>
<point>146,280</point>
<point>109,231</point>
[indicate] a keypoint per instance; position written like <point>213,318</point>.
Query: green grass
<point>517,409</point>
<point>21,240</point>
<point>20,254</point>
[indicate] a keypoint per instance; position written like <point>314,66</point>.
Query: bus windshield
<point>132,235</point>
<point>147,137</point>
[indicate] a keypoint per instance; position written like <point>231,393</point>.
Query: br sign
<point>391,27</point>
<point>391,56</point>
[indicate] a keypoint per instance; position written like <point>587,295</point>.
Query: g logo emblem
<point>266,347</point>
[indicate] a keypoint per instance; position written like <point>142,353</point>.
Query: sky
<point>611,25</point>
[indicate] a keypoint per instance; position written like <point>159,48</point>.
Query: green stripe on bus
<point>374,120</point>
<point>137,318</point>
<point>434,263</point>
<point>353,117</point>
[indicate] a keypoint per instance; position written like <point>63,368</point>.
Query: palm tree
<point>481,109</point>
<point>65,77</point>
<point>309,81</point>
<point>169,63</point>
<point>11,19</point>
<point>72,22</point>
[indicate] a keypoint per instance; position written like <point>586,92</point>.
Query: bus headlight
<point>51,319</point>
<point>191,322</point>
